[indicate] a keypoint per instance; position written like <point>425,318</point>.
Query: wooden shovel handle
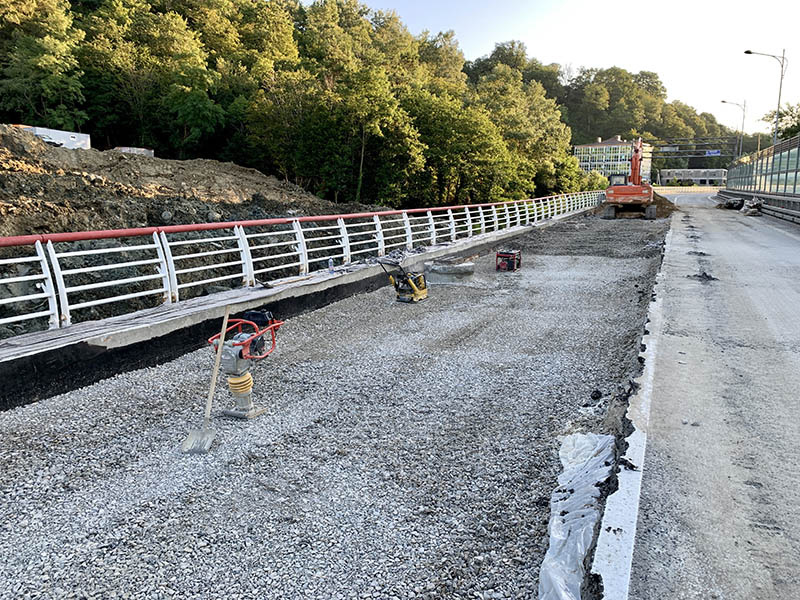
<point>213,386</point>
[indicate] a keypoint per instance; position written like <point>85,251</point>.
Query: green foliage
<point>465,157</point>
<point>338,98</point>
<point>595,180</point>
<point>40,75</point>
<point>789,121</point>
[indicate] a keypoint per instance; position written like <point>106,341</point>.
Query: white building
<point>698,176</point>
<point>613,157</point>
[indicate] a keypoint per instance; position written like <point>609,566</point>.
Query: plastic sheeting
<point>588,460</point>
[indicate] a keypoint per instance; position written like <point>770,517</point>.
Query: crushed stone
<point>408,451</point>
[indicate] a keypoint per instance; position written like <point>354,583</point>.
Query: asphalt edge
<point>613,557</point>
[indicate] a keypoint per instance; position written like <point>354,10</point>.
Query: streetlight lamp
<point>782,60</point>
<point>741,133</point>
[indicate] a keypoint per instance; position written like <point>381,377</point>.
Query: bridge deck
<point>720,516</point>
<point>405,447</point>
<point>43,363</point>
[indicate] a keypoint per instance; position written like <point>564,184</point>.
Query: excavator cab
<point>617,180</point>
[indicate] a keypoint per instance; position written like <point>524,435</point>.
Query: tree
<point>789,121</point>
<point>651,83</point>
<point>442,62</point>
<point>40,81</point>
<point>595,180</point>
<point>148,75</point>
<point>550,76</point>
<point>466,159</point>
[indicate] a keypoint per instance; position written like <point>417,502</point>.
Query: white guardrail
<point>60,277</point>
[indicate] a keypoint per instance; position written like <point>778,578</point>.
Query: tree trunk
<point>458,189</point>
<point>361,165</point>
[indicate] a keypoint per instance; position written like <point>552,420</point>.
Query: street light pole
<point>782,61</point>
<point>741,131</point>
<point>780,89</point>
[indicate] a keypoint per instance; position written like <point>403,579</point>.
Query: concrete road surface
<point>720,507</point>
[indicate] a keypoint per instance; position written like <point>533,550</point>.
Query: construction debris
<point>752,207</point>
<point>729,202</point>
<point>575,509</point>
<point>449,271</point>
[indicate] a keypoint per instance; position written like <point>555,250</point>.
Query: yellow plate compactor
<point>410,287</point>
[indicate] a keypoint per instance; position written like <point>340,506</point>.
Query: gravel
<point>409,451</point>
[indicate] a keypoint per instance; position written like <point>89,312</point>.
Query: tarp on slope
<point>588,460</point>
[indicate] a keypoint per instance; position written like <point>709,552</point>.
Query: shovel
<point>199,440</point>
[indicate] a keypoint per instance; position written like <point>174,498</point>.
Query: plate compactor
<point>410,287</point>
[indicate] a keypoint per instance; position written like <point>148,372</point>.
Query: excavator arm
<point>636,163</point>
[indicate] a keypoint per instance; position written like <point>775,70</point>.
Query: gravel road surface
<point>409,451</point>
<point>720,507</point>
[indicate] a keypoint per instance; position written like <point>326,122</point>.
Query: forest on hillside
<point>330,95</point>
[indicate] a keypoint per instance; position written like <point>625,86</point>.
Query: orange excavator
<point>627,193</point>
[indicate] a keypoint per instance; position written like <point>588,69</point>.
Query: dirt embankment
<point>44,189</point>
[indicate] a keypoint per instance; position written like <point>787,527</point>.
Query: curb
<point>613,557</point>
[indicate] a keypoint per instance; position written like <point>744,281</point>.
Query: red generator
<point>508,260</point>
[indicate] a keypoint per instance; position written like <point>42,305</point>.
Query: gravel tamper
<point>236,356</point>
<point>240,352</point>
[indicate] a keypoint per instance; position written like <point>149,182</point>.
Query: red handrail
<point>25,240</point>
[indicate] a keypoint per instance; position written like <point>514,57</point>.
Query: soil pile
<point>665,207</point>
<point>44,189</point>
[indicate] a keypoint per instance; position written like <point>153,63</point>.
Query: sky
<point>696,47</point>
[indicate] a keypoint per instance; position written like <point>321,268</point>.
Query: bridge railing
<point>58,279</point>
<point>774,171</point>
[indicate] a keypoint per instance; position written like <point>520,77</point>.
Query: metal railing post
<point>495,218</point>
<point>519,215</point>
<point>452,222</point>
<point>64,317</point>
<point>432,228</point>
<point>248,278</point>
<point>345,239</point>
<point>163,269</point>
<point>173,276</point>
<point>379,235</point>
<point>47,287</point>
<point>409,231</point>
<point>302,251</point>
<point>482,219</point>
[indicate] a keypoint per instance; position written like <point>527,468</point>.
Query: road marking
<point>613,557</point>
